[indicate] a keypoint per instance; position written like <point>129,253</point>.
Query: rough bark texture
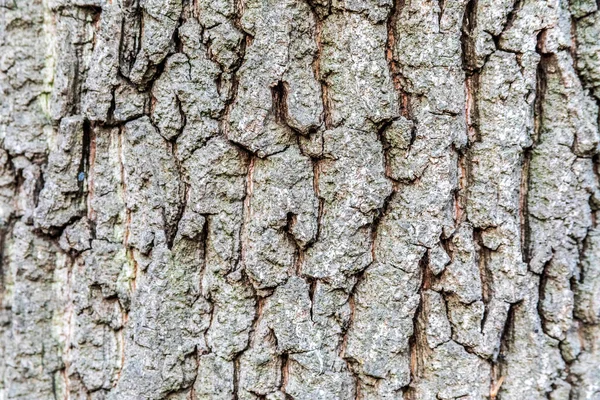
<point>299,199</point>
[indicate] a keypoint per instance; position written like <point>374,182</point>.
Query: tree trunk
<point>299,199</point>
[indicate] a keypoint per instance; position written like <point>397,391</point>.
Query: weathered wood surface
<point>299,199</point>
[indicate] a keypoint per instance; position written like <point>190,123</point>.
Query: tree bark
<point>299,199</point>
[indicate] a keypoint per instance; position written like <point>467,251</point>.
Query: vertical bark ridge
<point>299,199</point>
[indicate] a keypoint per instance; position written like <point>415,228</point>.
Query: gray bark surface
<point>299,199</point>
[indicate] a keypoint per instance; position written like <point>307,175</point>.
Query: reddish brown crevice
<point>467,39</point>
<point>594,201</point>
<point>428,279</point>
<point>127,223</point>
<point>343,344</point>
<point>350,361</point>
<point>4,233</point>
<point>546,62</point>
<point>510,20</point>
<point>524,206</point>
<point>485,275</point>
<point>348,326</point>
<point>461,193</point>
<point>442,5</point>
<point>245,42</point>
<point>381,135</point>
<point>121,159</point>
<point>328,119</point>
<point>279,93</point>
<point>285,372</point>
<point>178,43</point>
<point>472,75</point>
<point>471,107</point>
<point>417,343</point>
<point>466,158</point>
<point>247,213</point>
<point>131,33</point>
<point>381,214</point>
<point>316,175</point>
<point>236,376</point>
<point>193,384</point>
<point>417,358</point>
<point>312,287</point>
<point>506,338</point>
<point>110,113</point>
<point>291,220</point>
<point>19,181</point>
<point>542,293</point>
<point>91,175</point>
<point>393,65</point>
<point>172,229</point>
<point>316,65</point>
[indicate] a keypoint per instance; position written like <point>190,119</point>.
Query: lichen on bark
<point>299,199</point>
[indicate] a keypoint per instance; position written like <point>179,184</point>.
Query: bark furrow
<point>299,199</point>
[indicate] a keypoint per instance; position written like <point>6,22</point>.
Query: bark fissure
<point>299,199</point>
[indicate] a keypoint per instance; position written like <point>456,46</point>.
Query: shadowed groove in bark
<point>395,73</point>
<point>417,342</point>
<point>91,274</point>
<point>505,343</point>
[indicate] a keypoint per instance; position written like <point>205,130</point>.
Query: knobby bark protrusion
<point>298,199</point>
